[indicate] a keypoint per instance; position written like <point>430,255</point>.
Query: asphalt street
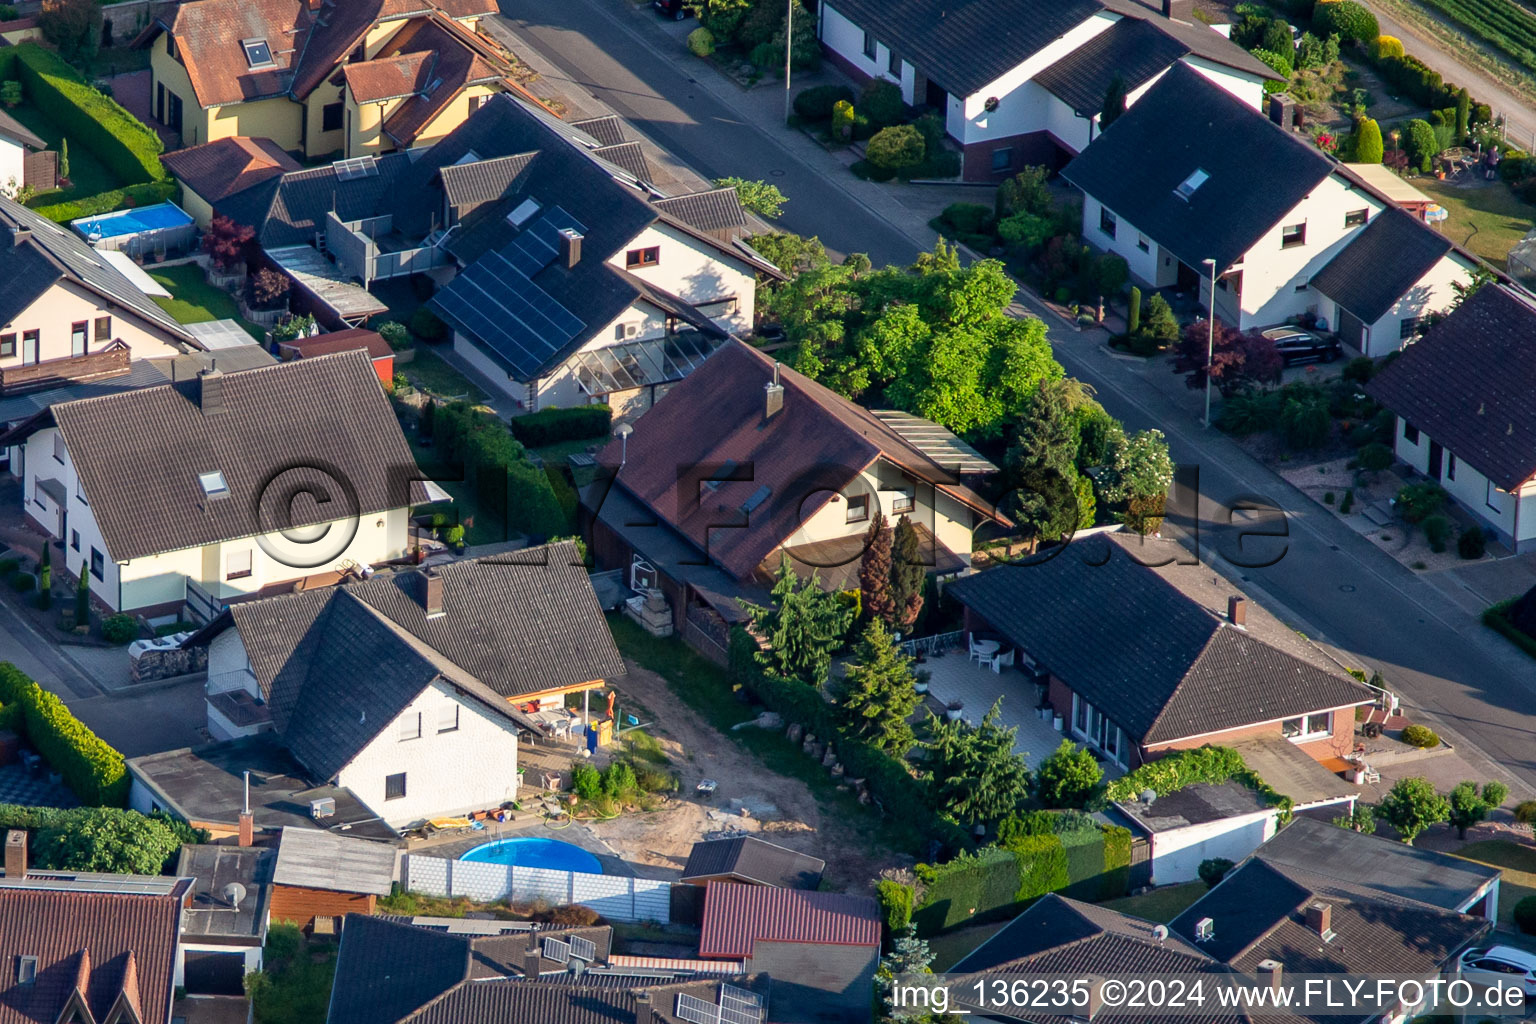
<point>1326,580</point>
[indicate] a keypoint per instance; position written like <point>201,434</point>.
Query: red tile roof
<point>218,170</point>
<point>389,77</point>
<point>106,946</point>
<point>209,36</point>
<point>737,916</point>
<point>815,445</point>
<point>459,59</point>
<point>341,341</point>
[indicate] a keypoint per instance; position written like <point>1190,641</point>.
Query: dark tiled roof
<point>340,341</point>
<point>1468,384</point>
<point>628,157</point>
<point>218,170</point>
<point>482,181</point>
<point>716,210</point>
<point>1408,872</point>
<point>52,253</point>
<point>291,210</point>
<point>748,857</point>
<point>337,664</point>
<point>737,916</point>
<point>13,129</point>
<point>607,130</point>
<point>1202,40</point>
<point>387,970</point>
<point>1128,639</point>
<point>102,944</point>
<point>147,499</point>
<point>964,45</point>
<point>816,444</point>
<point>1381,264</point>
<point>1061,936</point>
<point>1136,49</point>
<point>1186,123</point>
<point>1258,913</point>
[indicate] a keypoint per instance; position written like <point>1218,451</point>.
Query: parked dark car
<point>1298,346</point>
<point>673,9</point>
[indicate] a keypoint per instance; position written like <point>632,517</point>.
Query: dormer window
<point>257,53</point>
<point>1188,186</point>
<point>214,485</point>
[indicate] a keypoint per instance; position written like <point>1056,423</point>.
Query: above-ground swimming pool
<point>536,852</point>
<point>164,225</point>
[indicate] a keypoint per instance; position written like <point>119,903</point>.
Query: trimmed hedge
<point>549,426</point>
<point>1497,617</point>
<point>93,770</point>
<point>999,882</point>
<point>105,202</point>
<point>895,901</point>
<point>497,466</point>
<point>891,783</point>
<point>93,119</point>
<point>1213,765</point>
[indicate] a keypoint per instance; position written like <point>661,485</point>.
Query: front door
<point>935,96</point>
<point>1436,457</point>
<point>173,112</point>
<point>77,339</point>
<point>160,102</point>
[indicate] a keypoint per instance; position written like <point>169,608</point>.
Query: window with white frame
<point>237,565</point>
<point>58,447</point>
<point>1096,729</point>
<point>410,726</point>
<point>394,786</point>
<point>1107,222</point>
<point>1292,235</point>
<point>869,45</point>
<point>448,717</point>
<point>1308,727</point>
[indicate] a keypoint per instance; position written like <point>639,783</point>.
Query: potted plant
<point>920,682</point>
<point>454,535</point>
<point>955,707</point>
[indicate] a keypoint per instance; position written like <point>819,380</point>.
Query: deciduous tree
<point>1240,359</point>
<point>1470,805</point>
<point>1068,778</point>
<point>1412,805</point>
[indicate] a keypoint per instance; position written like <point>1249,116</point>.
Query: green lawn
<point>1162,904</point>
<point>88,175</point>
<point>1518,862</point>
<point>707,688</point>
<point>554,454</point>
<point>428,373</point>
<point>1488,221</point>
<point>194,301</point>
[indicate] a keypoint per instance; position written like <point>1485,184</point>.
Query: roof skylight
<point>1187,187</point>
<point>214,484</point>
<point>257,53</point>
<point>523,213</point>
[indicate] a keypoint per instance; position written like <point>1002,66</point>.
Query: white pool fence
<point>616,897</point>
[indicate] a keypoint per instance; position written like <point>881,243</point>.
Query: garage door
<point>1351,330</point>
<point>215,974</point>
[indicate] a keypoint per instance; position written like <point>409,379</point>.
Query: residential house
<point>1141,661</point>
<point>379,352</point>
<point>86,947</point>
<point>751,861</point>
<point>567,277</point>
<point>820,948</point>
<point>215,171</point>
<point>388,686</point>
<point>214,786</point>
<point>1021,82</point>
<point>782,466</point>
<point>25,160</point>
<point>1191,174</point>
<point>224,926</point>
<point>320,877</point>
<point>359,78</point>
<point>450,971</point>
<point>69,313</point>
<point>1464,419</point>
<point>176,498</point>
<point>1315,899</point>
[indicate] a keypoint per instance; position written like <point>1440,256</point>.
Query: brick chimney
<point>431,592</point>
<point>570,247</point>
<point>1282,111</point>
<point>247,836</point>
<point>210,389</point>
<point>645,1011</point>
<point>16,854</point>
<point>1272,969</point>
<point>20,236</point>
<point>1237,610</point>
<point>1179,10</point>
<point>1320,919</point>
<point>774,395</point>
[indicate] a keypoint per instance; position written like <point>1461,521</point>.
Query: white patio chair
<point>975,655</point>
<point>1002,660</point>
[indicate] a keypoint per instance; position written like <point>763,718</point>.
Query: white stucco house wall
<point>1191,181</point>
<point>1033,94</point>
<point>1461,395</point>
<point>227,499</point>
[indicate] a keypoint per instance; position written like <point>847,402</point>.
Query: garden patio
<point>952,677</point>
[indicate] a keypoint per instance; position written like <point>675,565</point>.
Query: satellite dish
<point>1148,796</point>
<point>1160,932</point>
<point>234,892</point>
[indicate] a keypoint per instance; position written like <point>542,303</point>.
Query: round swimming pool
<point>536,852</point>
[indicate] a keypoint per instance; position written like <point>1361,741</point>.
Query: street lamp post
<point>789,51</point>
<point>1210,339</point>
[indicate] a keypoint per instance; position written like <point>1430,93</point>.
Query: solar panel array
<point>496,299</point>
<point>697,1011</point>
<point>584,949</point>
<point>740,1006</point>
<point>557,950</point>
<point>356,167</point>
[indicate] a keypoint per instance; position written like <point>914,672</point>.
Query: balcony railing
<point>109,362</point>
<point>929,645</point>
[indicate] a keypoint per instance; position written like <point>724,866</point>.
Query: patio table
<point>987,648</point>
